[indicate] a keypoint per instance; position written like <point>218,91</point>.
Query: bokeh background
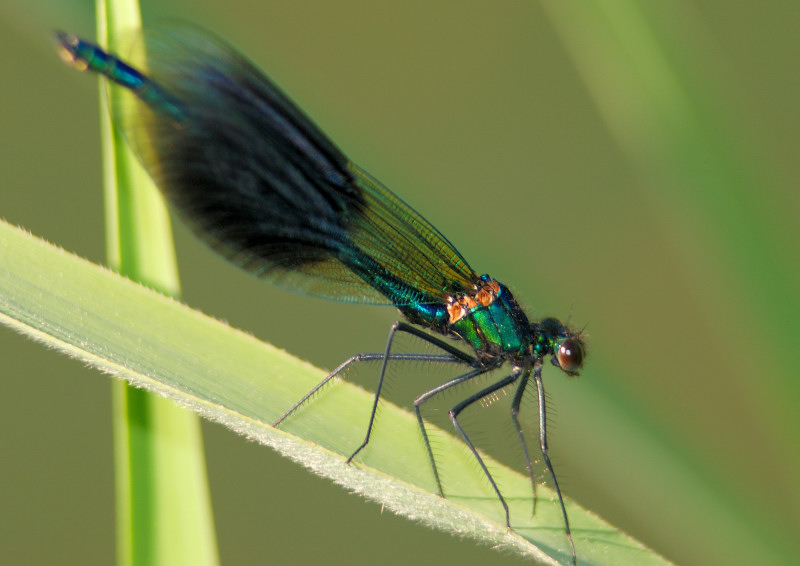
<point>633,166</point>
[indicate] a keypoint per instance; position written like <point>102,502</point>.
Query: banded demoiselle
<point>257,180</point>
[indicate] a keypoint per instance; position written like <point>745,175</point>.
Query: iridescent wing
<point>257,179</point>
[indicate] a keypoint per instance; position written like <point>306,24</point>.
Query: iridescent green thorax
<point>490,320</point>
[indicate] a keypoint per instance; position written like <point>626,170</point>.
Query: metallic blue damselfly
<point>256,179</point>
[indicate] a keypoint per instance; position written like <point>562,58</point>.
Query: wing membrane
<point>256,179</point>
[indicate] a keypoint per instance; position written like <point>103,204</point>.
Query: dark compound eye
<point>570,355</point>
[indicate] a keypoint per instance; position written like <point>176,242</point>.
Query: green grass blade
<point>163,505</point>
<point>157,344</point>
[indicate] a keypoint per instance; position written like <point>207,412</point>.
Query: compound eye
<point>570,355</point>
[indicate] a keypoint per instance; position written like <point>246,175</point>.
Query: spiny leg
<point>453,355</point>
<point>432,393</point>
<point>366,357</point>
<point>455,411</point>
<point>515,403</point>
<point>537,376</point>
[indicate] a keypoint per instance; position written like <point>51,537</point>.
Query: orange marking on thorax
<point>459,305</point>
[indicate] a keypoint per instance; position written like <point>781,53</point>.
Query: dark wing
<point>257,179</point>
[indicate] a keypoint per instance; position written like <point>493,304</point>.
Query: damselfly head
<point>566,348</point>
<point>569,355</point>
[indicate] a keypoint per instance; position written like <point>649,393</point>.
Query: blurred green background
<point>632,166</point>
